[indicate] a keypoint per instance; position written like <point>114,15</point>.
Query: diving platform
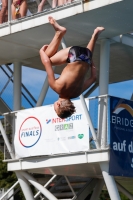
<point>84,164</point>
<point>21,39</point>
<point>93,152</point>
<point>80,164</point>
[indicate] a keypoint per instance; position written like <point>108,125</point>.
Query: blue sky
<point>34,79</point>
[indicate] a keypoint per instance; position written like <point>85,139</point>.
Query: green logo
<point>66,126</point>
<point>80,136</point>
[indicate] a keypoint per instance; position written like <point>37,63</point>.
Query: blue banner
<point>121,137</point>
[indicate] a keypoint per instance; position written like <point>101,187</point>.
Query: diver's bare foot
<point>56,26</point>
<point>98,30</point>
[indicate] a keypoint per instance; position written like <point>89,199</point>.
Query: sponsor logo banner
<point>121,137</point>
<point>40,131</point>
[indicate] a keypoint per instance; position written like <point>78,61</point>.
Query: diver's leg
<point>59,33</point>
<point>60,57</point>
<point>94,38</point>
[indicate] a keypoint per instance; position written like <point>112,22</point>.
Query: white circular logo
<point>30,132</point>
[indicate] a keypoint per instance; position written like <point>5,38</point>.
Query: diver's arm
<point>47,63</point>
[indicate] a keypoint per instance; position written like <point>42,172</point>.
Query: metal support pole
<point>17,86</point>
<point>17,106</point>
<point>86,190</point>
<point>110,182</point>
<point>9,15</point>
<point>103,89</point>
<point>89,121</point>
<point>16,92</point>
<point>25,186</point>
<point>74,194</point>
<point>102,130</point>
<point>9,10</point>
<point>104,67</point>
<point>46,185</point>
<point>124,191</point>
<point>58,183</point>
<point>23,183</point>
<point>63,44</point>
<point>6,85</point>
<point>9,190</point>
<point>43,92</point>
<point>97,190</point>
<point>13,194</point>
<point>43,190</point>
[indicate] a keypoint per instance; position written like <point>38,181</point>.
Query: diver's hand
<point>44,47</point>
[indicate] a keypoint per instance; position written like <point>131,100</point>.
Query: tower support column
<point>25,186</point>
<point>17,86</point>
<point>102,127</point>
<point>97,190</point>
<point>110,182</point>
<point>43,92</point>
<point>103,90</point>
<point>17,106</point>
<point>104,66</point>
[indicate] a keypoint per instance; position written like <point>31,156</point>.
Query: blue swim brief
<point>77,53</point>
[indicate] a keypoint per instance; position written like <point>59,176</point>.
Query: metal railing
<point>9,15</point>
<point>8,191</point>
<point>97,115</point>
<point>98,121</point>
<point>7,86</point>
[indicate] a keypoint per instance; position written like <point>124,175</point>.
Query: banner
<point>39,131</point>
<point>121,137</point>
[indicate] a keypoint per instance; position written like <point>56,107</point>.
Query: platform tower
<point>20,41</point>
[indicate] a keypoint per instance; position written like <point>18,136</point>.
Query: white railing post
<point>9,15</point>
<point>89,121</point>
<point>9,10</point>
<point>9,190</point>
